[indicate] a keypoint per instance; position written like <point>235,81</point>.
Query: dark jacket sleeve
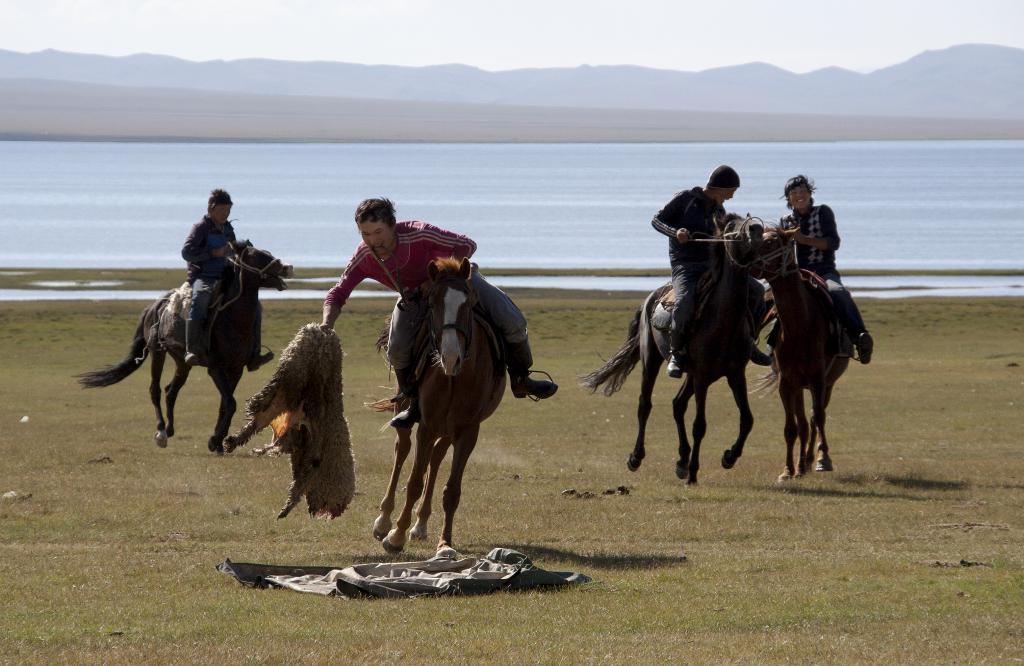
<point>670,218</point>
<point>194,251</point>
<point>827,220</point>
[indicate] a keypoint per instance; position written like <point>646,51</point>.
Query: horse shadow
<point>908,483</point>
<point>597,560</point>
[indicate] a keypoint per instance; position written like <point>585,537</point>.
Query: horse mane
<point>719,263</point>
<point>447,265</point>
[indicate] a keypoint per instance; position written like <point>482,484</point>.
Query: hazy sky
<point>671,34</point>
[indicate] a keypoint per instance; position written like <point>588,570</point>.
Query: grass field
<point>109,549</point>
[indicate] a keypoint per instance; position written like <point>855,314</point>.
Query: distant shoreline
<point>36,110</point>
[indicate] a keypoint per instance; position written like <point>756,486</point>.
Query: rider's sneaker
<point>758,357</point>
<point>865,345</point>
<point>408,417</point>
<point>259,360</point>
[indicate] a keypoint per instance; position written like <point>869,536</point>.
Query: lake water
<point>925,204</point>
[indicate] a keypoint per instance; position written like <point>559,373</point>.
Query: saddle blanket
<point>501,569</point>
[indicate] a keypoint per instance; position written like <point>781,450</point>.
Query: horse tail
<point>112,374</point>
<point>613,374</point>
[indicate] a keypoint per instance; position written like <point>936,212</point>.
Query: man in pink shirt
<point>397,254</point>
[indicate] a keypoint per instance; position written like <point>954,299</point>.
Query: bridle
<point>238,260</point>
<point>761,266</point>
<point>466,331</point>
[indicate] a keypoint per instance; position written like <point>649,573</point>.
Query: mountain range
<point>965,81</point>
<point>962,92</point>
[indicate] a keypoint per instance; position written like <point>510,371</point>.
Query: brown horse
<point>719,346</point>
<point>457,392</point>
<point>161,331</point>
<point>803,357</point>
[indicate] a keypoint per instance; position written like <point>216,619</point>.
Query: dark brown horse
<point>804,359</point>
<point>719,346</point>
<point>161,331</point>
<point>457,392</point>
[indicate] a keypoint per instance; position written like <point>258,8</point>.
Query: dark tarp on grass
<point>501,569</point>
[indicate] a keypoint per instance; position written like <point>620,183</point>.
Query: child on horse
<point>397,254</point>
<point>817,241</point>
<point>206,251</point>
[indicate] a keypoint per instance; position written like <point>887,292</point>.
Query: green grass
<point>114,561</point>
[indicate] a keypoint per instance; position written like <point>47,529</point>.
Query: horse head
<point>745,235</point>
<point>270,270</point>
<point>451,299</point>
<point>776,256</point>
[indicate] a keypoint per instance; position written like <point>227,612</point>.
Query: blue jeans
<point>202,291</point>
<point>405,321</point>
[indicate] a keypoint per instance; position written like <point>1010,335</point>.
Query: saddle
<point>169,329</point>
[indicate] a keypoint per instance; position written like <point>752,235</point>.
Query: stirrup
<point>524,385</point>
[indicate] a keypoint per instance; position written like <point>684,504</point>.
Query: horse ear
<point>432,271</point>
<point>465,269</point>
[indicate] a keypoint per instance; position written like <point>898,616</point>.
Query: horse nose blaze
<point>450,350</point>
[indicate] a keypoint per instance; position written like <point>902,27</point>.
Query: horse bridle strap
<point>466,333</point>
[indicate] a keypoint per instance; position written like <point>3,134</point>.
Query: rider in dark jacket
<point>817,241</point>
<point>206,250</point>
<point>691,215</point>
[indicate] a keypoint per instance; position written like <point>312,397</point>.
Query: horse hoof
<point>446,552</point>
<point>229,444</point>
<point>728,459</point>
<point>418,533</point>
<point>161,439</point>
<point>381,527</point>
<point>170,431</point>
<point>633,464</point>
<point>390,547</point>
<point>215,446</point>
<point>682,473</point>
<point>784,477</point>
<point>824,465</point>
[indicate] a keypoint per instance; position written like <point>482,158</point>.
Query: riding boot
<point>195,354</point>
<point>256,359</point>
<point>411,414</point>
<point>865,345</point>
<point>677,357</point>
<point>520,358</point>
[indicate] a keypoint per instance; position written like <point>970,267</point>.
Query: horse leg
<point>226,382</point>
<point>786,394</point>
<point>651,367</point>
<point>738,384</point>
<point>394,542</point>
<point>419,530</point>
<point>821,400</point>
<point>171,391</point>
<point>156,369</point>
<point>465,441</point>
<point>803,431</point>
<point>679,414</point>
<point>700,427</point>
<point>403,442</point>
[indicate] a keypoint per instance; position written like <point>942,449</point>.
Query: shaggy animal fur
<point>303,405</point>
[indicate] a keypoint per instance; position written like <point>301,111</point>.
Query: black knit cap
<point>724,178</point>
